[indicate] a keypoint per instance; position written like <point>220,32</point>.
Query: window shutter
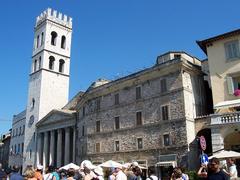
<point>230,85</point>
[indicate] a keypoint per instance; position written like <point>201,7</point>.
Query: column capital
<point>67,129</point>
<point>59,130</point>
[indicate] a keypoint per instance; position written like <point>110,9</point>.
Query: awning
<point>227,104</point>
<point>166,163</point>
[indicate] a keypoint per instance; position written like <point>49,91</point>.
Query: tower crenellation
<point>55,16</point>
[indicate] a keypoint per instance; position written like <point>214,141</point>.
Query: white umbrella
<point>225,154</point>
<point>111,164</point>
<point>71,165</point>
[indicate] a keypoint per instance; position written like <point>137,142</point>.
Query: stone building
<point>4,149</point>
<point>222,128</point>
<point>147,116</point>
<point>17,139</point>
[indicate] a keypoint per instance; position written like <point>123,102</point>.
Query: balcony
<point>226,118</point>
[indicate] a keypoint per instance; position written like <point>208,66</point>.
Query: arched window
<point>42,37</point>
<point>53,38</point>
<point>37,41</point>
<point>39,62</point>
<point>61,65</point>
<point>63,42</point>
<point>35,66</point>
<point>51,62</point>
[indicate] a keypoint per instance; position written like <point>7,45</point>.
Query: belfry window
<point>61,65</point>
<point>35,66</point>
<point>39,62</point>
<point>63,42</point>
<point>51,62</point>
<point>42,37</point>
<point>53,38</point>
<point>37,41</point>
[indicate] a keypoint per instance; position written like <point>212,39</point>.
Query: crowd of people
<point>88,171</point>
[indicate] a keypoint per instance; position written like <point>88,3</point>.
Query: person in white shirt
<point>151,173</point>
<point>119,174</point>
<point>232,169</point>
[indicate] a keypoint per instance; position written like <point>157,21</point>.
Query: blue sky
<point>111,38</point>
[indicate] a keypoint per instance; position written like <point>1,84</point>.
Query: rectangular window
<point>139,143</point>
<point>22,147</point>
<point>236,82</point>
<point>163,85</point>
<point>117,123</point>
<point>97,126</point>
<point>83,111</point>
<point>138,93</point>
<point>165,115</point>
<point>97,147</point>
<point>98,104</point>
<point>18,151</point>
<point>139,118</point>
<point>83,129</point>
<point>117,148</point>
<point>116,99</point>
<point>166,139</point>
<point>232,49</point>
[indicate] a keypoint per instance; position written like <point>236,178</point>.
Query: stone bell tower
<point>49,77</point>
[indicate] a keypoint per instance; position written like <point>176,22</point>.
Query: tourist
<point>137,172</point>
<point>55,174</point>
<point>29,173</point>
<point>8,172</point>
<point>49,175</point>
<point>38,172</point>
<point>213,171</point>
<point>15,173</point>
<point>2,173</point>
<point>99,172</point>
<point>119,174</point>
<point>184,175</point>
<point>63,174</point>
<point>151,172</point>
<point>70,174</point>
<point>232,169</point>
<point>112,175</point>
<point>86,170</point>
<point>177,174</point>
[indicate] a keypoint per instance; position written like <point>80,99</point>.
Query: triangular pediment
<point>56,116</point>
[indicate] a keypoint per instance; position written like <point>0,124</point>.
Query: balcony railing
<point>227,118</point>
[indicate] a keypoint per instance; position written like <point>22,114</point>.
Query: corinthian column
<point>45,150</point>
<point>52,143</point>
<point>67,146</point>
<point>74,142</point>
<point>59,148</point>
<point>39,148</point>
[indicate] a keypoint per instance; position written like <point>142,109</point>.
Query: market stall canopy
<point>225,154</point>
<point>111,164</point>
<point>71,165</point>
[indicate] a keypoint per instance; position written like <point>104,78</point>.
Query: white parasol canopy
<point>71,165</point>
<point>128,165</point>
<point>111,164</point>
<point>225,154</point>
